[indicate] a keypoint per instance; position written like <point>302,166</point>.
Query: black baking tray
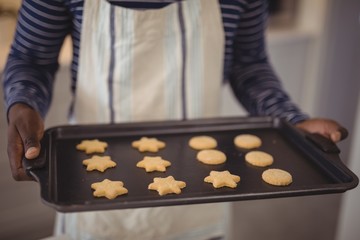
<point>65,183</point>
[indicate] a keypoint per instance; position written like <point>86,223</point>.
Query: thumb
<point>30,127</point>
<point>31,135</point>
<point>25,129</point>
<point>340,134</point>
<point>32,148</point>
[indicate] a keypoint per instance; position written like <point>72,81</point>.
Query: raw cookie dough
<point>153,164</point>
<point>247,141</point>
<point>92,146</point>
<point>222,179</point>
<point>259,158</point>
<point>100,163</point>
<point>166,185</point>
<point>202,142</point>
<point>277,177</point>
<point>109,189</point>
<point>148,144</point>
<point>211,156</point>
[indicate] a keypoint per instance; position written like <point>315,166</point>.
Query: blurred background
<point>315,49</point>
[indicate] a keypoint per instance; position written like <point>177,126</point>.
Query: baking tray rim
<point>35,170</point>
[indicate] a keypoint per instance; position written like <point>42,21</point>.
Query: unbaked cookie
<point>247,141</point>
<point>146,144</point>
<point>92,146</point>
<point>166,185</point>
<point>153,164</point>
<point>222,179</point>
<point>259,158</point>
<point>109,189</point>
<point>202,142</point>
<point>211,156</point>
<point>100,163</point>
<point>277,177</point>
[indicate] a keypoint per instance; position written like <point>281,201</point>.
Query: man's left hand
<point>326,127</point>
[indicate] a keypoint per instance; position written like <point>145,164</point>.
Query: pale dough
<point>259,158</point>
<point>222,179</point>
<point>211,156</point>
<point>247,141</point>
<point>277,177</point>
<point>202,142</point>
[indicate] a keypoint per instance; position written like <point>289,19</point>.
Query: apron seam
<point>183,67</point>
<point>112,64</point>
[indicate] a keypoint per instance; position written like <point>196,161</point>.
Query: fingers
<point>335,136</point>
<point>326,127</point>
<point>338,135</point>
<point>344,133</point>
<point>30,128</point>
<point>335,131</point>
<point>31,142</point>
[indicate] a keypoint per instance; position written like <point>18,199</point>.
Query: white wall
<point>348,228</point>
<point>348,36</point>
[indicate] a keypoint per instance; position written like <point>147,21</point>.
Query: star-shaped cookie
<point>100,163</point>
<point>152,164</point>
<point>109,189</point>
<point>92,146</point>
<point>166,185</point>
<point>222,179</point>
<point>148,144</point>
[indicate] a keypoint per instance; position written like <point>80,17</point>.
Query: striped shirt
<point>43,25</point>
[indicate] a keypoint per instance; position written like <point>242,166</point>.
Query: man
<point>141,61</point>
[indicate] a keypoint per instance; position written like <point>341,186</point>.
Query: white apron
<point>142,65</point>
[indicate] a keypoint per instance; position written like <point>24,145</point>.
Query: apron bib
<point>145,65</point>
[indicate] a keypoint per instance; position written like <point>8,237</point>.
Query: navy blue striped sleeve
<point>42,26</point>
<point>252,78</point>
<point>33,59</point>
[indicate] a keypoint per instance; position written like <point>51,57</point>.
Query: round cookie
<point>277,177</point>
<point>259,158</point>
<point>211,156</point>
<point>202,142</point>
<point>247,141</point>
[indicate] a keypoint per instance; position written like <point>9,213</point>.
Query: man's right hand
<point>25,130</point>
